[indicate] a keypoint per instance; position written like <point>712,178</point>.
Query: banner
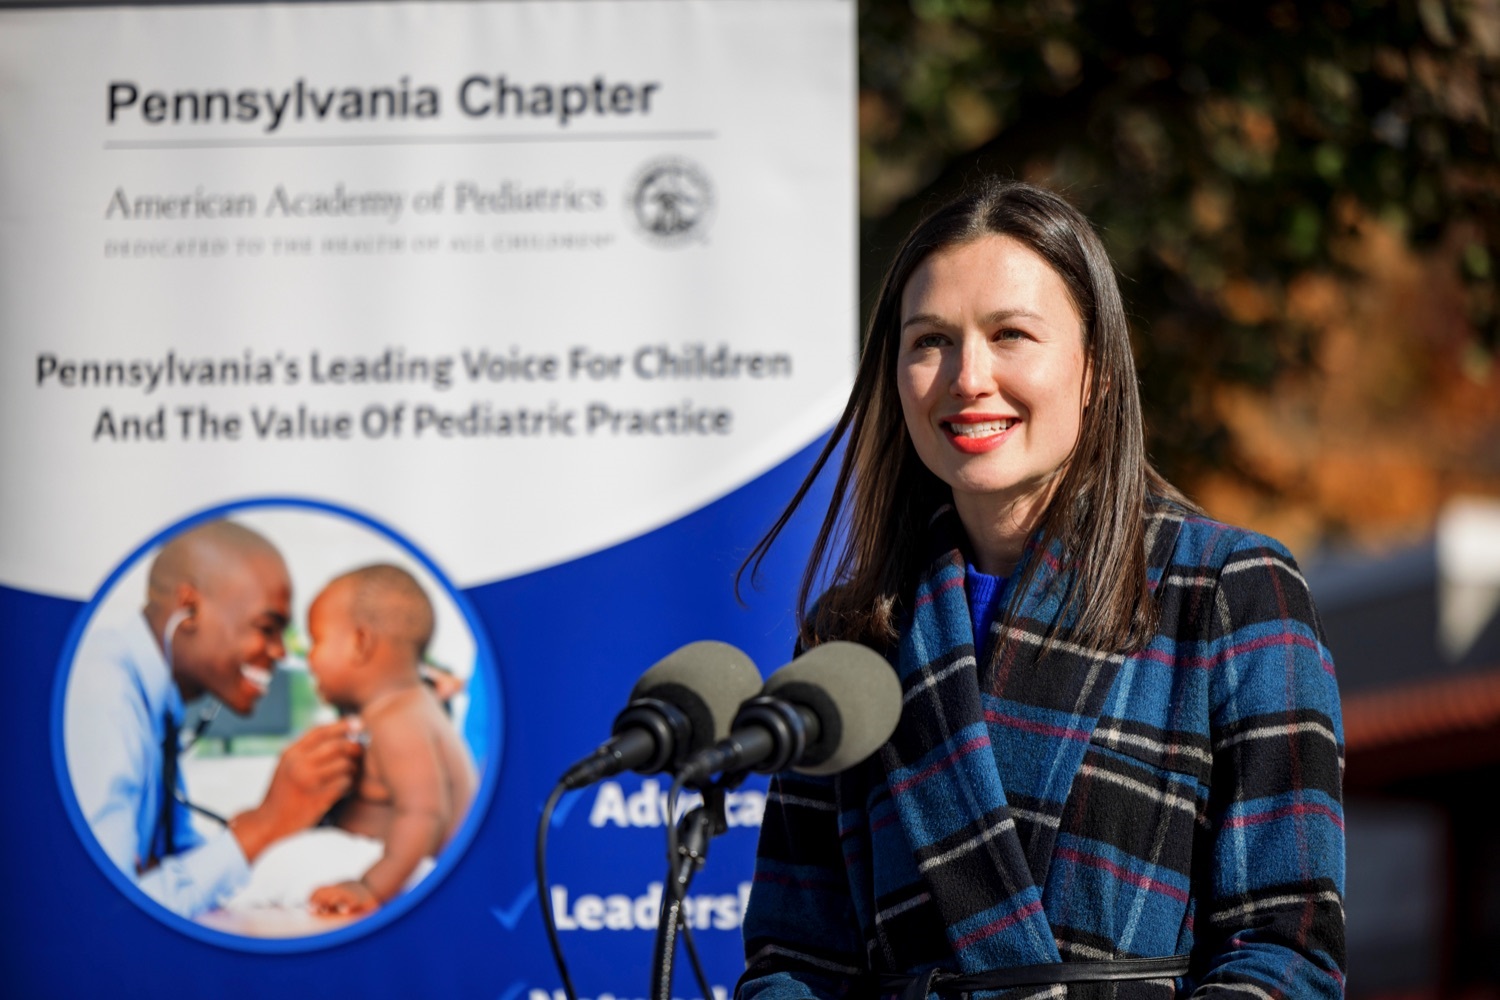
<point>540,308</point>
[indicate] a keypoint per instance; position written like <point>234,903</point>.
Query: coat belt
<point>918,987</point>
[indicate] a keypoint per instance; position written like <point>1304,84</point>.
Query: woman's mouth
<point>974,436</point>
<point>982,429</point>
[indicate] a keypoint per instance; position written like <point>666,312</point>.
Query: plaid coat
<point>1085,805</point>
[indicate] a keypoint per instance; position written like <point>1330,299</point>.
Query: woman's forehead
<point>992,276</point>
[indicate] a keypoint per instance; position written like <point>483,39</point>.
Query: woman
<point>1138,759</point>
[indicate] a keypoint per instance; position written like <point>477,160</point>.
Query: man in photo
<point>218,598</point>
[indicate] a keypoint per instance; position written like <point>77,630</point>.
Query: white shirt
<point>119,693</point>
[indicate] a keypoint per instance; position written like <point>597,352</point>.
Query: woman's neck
<point>997,532</point>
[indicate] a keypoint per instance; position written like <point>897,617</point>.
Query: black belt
<point>1048,974</point>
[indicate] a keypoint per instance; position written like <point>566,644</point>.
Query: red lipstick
<point>977,433</point>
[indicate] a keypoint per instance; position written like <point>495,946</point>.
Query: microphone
<point>825,711</point>
<point>680,706</point>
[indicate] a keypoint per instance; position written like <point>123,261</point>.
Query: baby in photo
<point>369,630</point>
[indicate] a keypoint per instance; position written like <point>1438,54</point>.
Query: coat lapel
<point>1043,710</point>
<point>983,762</point>
<point>947,790</point>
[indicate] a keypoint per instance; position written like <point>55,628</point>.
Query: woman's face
<point>991,374</point>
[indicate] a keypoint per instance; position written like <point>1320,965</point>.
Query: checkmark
<point>512,991</point>
<point>565,806</point>
<point>511,915</point>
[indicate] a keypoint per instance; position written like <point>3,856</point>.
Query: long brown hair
<point>871,543</point>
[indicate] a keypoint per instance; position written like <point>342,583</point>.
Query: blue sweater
<point>985,602</point>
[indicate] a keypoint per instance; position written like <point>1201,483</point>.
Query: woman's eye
<point>1010,333</point>
<point>929,340</point>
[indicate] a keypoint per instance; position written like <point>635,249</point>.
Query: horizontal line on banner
<point>402,140</point>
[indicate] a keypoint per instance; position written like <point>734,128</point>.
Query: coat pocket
<point>1120,882</point>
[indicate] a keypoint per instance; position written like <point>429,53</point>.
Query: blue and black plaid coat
<point>1081,805</point>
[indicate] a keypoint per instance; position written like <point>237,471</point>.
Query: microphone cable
<point>687,932</point>
<point>692,952</point>
<point>673,845</point>
<point>544,894</point>
<point>673,916</point>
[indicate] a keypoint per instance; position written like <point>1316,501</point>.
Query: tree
<point>1303,200</point>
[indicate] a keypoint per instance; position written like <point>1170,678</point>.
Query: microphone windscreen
<point>707,681</point>
<point>854,693</point>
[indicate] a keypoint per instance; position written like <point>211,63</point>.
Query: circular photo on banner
<point>279,725</point>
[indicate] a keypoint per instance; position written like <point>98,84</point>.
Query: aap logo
<point>671,201</point>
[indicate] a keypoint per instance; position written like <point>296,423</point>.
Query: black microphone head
<point>854,693</point>
<point>706,681</point>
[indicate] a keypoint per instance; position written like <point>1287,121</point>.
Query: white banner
<point>545,303</point>
<point>561,271</point>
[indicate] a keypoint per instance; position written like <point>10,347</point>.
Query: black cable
<point>672,843</point>
<point>665,948</point>
<point>670,919</point>
<point>544,900</point>
<point>692,950</point>
<point>675,899</point>
<point>687,933</point>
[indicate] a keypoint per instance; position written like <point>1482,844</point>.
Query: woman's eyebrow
<point>1015,312</point>
<point>929,318</point>
<point>989,318</point>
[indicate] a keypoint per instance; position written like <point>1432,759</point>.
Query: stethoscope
<point>205,718</point>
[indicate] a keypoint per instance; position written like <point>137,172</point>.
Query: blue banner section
<point>570,642</point>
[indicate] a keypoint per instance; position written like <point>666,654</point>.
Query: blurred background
<point>1303,200</point>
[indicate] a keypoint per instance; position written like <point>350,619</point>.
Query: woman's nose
<point>974,376</point>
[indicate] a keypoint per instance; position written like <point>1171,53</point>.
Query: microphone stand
<point>697,827</point>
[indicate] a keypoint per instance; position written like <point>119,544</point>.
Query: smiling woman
<point>1112,703</point>
<point>991,376</point>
